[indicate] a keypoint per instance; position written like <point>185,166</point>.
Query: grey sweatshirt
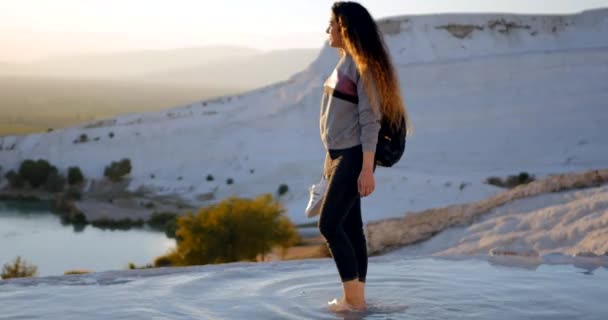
<point>347,117</point>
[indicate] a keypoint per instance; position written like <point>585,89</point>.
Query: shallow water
<point>30,230</point>
<point>398,288</point>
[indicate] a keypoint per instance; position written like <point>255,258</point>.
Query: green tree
<point>235,229</point>
<point>75,176</point>
<point>55,182</point>
<point>14,179</point>
<point>35,172</point>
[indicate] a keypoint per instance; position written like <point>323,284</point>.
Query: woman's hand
<point>366,183</point>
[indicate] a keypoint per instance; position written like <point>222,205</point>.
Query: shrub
<point>521,178</point>
<point>14,179</point>
<point>511,181</point>
<point>122,224</point>
<point>27,169</point>
<point>111,135</point>
<point>496,181</point>
<point>168,260</point>
<point>229,181</point>
<point>35,172</point>
<point>55,182</point>
<point>116,170</point>
<point>162,261</point>
<point>83,138</point>
<point>209,177</point>
<point>18,269</point>
<point>159,220</point>
<point>282,189</point>
<point>235,229</point>
<point>133,266</point>
<point>77,217</point>
<point>73,194</point>
<point>71,272</point>
<point>171,229</point>
<point>75,176</point>
<point>70,214</point>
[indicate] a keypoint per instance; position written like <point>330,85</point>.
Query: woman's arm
<point>368,160</point>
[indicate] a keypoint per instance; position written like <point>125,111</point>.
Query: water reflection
<point>30,230</point>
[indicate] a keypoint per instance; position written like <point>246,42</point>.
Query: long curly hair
<point>363,40</point>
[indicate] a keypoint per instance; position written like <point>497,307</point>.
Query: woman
<point>362,89</point>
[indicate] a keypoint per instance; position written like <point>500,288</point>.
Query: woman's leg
<point>353,227</point>
<point>341,196</point>
<point>338,200</point>
<point>354,291</point>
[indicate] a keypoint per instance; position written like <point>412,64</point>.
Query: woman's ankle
<point>354,293</point>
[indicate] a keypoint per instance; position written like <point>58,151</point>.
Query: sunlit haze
<point>31,29</point>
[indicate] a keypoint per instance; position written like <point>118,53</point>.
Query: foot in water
<point>340,305</point>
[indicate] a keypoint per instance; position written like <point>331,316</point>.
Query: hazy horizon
<point>39,29</point>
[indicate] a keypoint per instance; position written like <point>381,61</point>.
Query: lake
<point>30,230</point>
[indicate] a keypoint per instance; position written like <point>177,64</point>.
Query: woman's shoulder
<point>349,67</point>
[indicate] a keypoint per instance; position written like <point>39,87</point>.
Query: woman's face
<point>335,38</point>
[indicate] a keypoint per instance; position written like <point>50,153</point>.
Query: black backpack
<point>391,143</point>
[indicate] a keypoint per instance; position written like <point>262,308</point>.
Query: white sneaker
<point>317,191</point>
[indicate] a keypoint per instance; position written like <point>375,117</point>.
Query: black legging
<point>340,222</point>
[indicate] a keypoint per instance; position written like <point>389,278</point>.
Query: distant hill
<point>130,63</point>
<point>250,72</point>
<point>33,104</point>
<point>63,91</point>
<point>216,66</point>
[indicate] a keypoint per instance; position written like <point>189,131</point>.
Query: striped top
<point>347,118</point>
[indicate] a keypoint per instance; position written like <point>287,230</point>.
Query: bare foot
<point>338,305</point>
<point>358,307</point>
<point>342,306</point>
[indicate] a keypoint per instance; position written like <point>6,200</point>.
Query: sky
<point>33,29</point>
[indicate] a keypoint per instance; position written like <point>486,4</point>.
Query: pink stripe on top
<point>342,83</point>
